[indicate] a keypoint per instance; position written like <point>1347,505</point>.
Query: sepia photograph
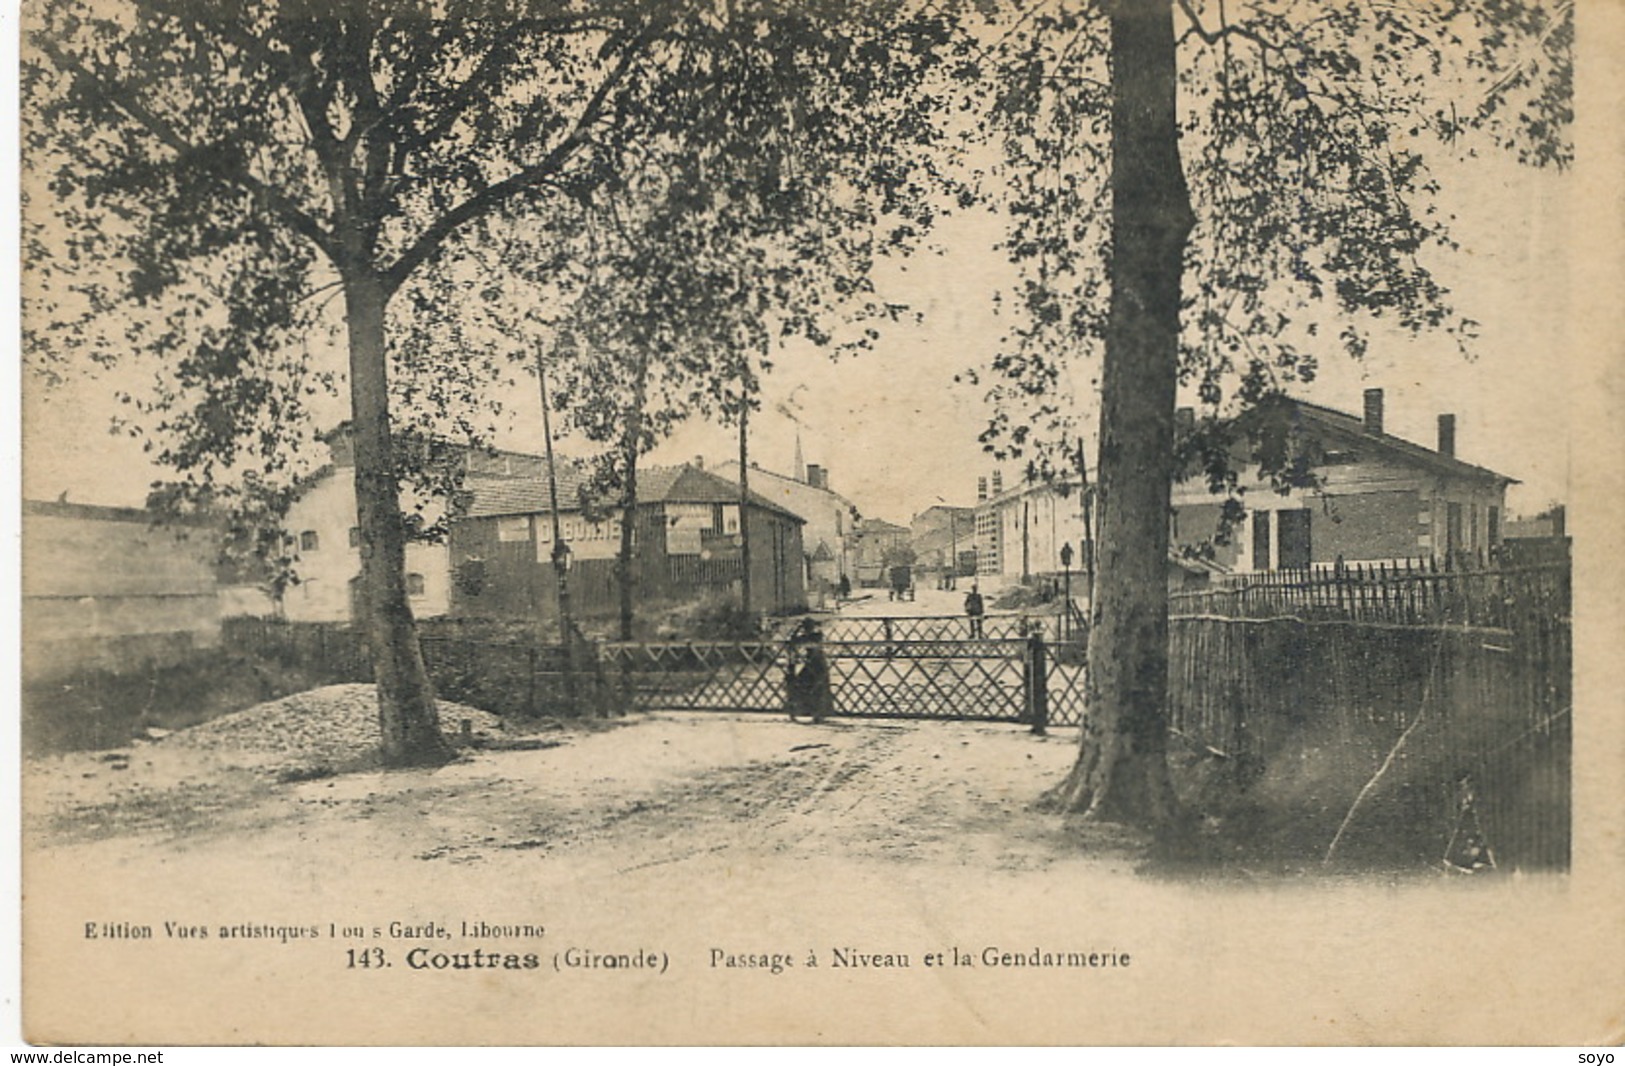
<point>821,522</point>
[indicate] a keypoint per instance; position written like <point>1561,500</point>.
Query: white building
<point>1020,530</point>
<point>327,546</point>
<point>828,516</point>
<point>326,539</point>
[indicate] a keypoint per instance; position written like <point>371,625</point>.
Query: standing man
<point>973,611</point>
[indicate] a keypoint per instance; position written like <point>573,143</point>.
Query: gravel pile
<point>331,726</point>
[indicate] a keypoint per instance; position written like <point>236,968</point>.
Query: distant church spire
<point>801,466</point>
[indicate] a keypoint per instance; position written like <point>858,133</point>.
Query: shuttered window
<point>1261,540</point>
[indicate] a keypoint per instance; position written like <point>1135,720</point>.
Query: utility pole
<point>1026,563</point>
<point>561,550</point>
<point>952,573</point>
<point>744,493</point>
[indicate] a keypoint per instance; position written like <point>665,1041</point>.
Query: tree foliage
<point>1224,178</point>
<point>788,149</point>
<point>1306,135</point>
<point>207,169</point>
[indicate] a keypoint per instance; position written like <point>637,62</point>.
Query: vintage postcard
<point>786,522</point>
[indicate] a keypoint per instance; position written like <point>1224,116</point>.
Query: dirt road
<point>689,840</point>
<point>664,787</point>
<point>684,833</point>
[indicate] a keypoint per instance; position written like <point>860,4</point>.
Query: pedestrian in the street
<point>974,610</point>
<point>845,588</point>
<point>807,674</point>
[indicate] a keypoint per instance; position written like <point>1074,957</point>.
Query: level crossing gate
<point>1013,670</point>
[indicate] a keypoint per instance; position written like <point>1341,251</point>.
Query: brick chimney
<point>699,462</point>
<point>1373,412</point>
<point>1447,435</point>
<point>817,477</point>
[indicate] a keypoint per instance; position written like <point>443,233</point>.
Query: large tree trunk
<point>1122,770</point>
<point>406,706</point>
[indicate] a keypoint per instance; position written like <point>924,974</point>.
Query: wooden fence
<point>1408,592</point>
<point>1383,720</point>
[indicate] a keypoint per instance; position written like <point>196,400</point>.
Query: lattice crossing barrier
<point>878,668</point>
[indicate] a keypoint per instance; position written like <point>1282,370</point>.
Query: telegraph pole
<point>561,551</point>
<point>744,505</point>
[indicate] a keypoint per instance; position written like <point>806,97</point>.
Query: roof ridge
<point>1401,444</point>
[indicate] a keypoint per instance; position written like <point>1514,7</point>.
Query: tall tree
<point>232,158</point>
<point>1265,178</point>
<point>789,150</point>
<point>284,144</point>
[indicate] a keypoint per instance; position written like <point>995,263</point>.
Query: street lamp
<point>1066,603</point>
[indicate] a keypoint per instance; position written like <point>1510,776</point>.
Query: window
<point>1472,526</point>
<point>308,541</point>
<point>1295,544</point>
<point>355,536</point>
<point>1452,528</point>
<point>414,584</point>
<point>1261,540</point>
<point>1494,527</point>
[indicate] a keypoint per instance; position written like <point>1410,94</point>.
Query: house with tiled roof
<point>686,546</point>
<point>325,536</point>
<point>830,519</point>
<point>1374,497</point>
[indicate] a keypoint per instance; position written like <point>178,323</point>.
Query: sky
<point>898,433</point>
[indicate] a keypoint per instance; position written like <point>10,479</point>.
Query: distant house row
<point>496,561</point>
<point>107,585</point>
<point>111,587</point>
<point>831,521</point>
<point>1379,498</point>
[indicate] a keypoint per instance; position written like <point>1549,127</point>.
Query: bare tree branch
<point>1225,31</point>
